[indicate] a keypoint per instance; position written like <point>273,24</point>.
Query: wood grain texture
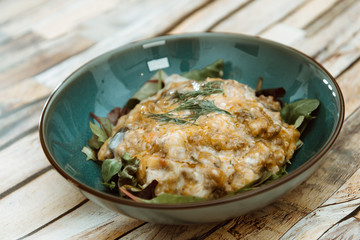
<point>330,213</point>
<point>21,95</point>
<point>15,167</point>
<point>46,56</point>
<point>13,124</point>
<point>135,31</point>
<point>349,229</point>
<point>89,221</point>
<point>158,232</point>
<point>337,30</point>
<point>257,16</point>
<point>328,16</point>
<point>308,12</point>
<point>349,84</point>
<point>70,16</point>
<point>23,22</point>
<point>207,17</point>
<point>43,199</point>
<point>15,8</point>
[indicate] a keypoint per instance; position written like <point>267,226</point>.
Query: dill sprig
<point>205,90</point>
<point>196,107</point>
<point>167,117</point>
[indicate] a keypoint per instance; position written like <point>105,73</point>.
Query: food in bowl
<point>197,137</point>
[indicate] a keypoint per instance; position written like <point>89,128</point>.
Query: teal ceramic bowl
<point>112,78</point>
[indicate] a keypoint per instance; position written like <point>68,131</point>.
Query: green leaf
<point>98,132</point>
<point>106,125</point>
<point>151,87</point>
<point>128,173</point>
<point>147,90</point>
<point>266,178</point>
<point>110,185</point>
<point>299,144</point>
<point>94,142</point>
<point>126,156</point>
<point>299,121</point>
<point>305,123</point>
<point>110,168</point>
<point>291,112</point>
<point>166,198</point>
<point>90,153</point>
<point>214,70</point>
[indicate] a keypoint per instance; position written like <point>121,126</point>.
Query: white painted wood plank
<point>14,8</point>
<point>206,17</point>
<point>308,12</point>
<point>348,229</point>
<point>42,48</point>
<point>70,16</point>
<point>349,84</point>
<point>36,203</point>
<point>23,23</point>
<point>154,25</point>
<point>3,37</point>
<point>341,29</point>
<point>14,124</point>
<point>22,93</point>
<point>342,56</point>
<point>284,34</point>
<point>257,16</point>
<point>320,220</point>
<point>87,222</point>
<point>158,232</point>
<point>21,160</point>
<point>338,206</point>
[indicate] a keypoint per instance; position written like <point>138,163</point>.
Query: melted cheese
<point>218,154</point>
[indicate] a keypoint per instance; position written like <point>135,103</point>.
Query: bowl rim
<point>207,203</point>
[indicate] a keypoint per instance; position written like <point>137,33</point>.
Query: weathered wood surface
<point>42,42</point>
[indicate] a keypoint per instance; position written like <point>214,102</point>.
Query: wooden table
<point>43,41</point>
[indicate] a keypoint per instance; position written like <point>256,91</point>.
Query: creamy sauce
<point>215,155</point>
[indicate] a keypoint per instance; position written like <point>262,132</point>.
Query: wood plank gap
<point>18,137</point>
<point>229,15</point>
<point>332,204</point>
<point>55,219</point>
<point>347,68</point>
<point>353,113</point>
<point>337,8</point>
<point>128,232</point>
<point>350,215</point>
<point>176,23</point>
<point>36,101</point>
<point>24,182</point>
<point>317,55</point>
<point>211,231</point>
<point>283,18</point>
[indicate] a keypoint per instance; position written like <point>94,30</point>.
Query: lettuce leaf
<point>214,70</point>
<point>89,152</point>
<point>299,112</point>
<point>110,168</point>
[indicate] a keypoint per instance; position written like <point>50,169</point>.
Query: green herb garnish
<point>205,90</point>
<point>196,107</point>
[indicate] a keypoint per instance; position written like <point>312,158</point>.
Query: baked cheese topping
<point>203,139</point>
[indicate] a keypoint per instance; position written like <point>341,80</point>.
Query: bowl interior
<point>111,79</point>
